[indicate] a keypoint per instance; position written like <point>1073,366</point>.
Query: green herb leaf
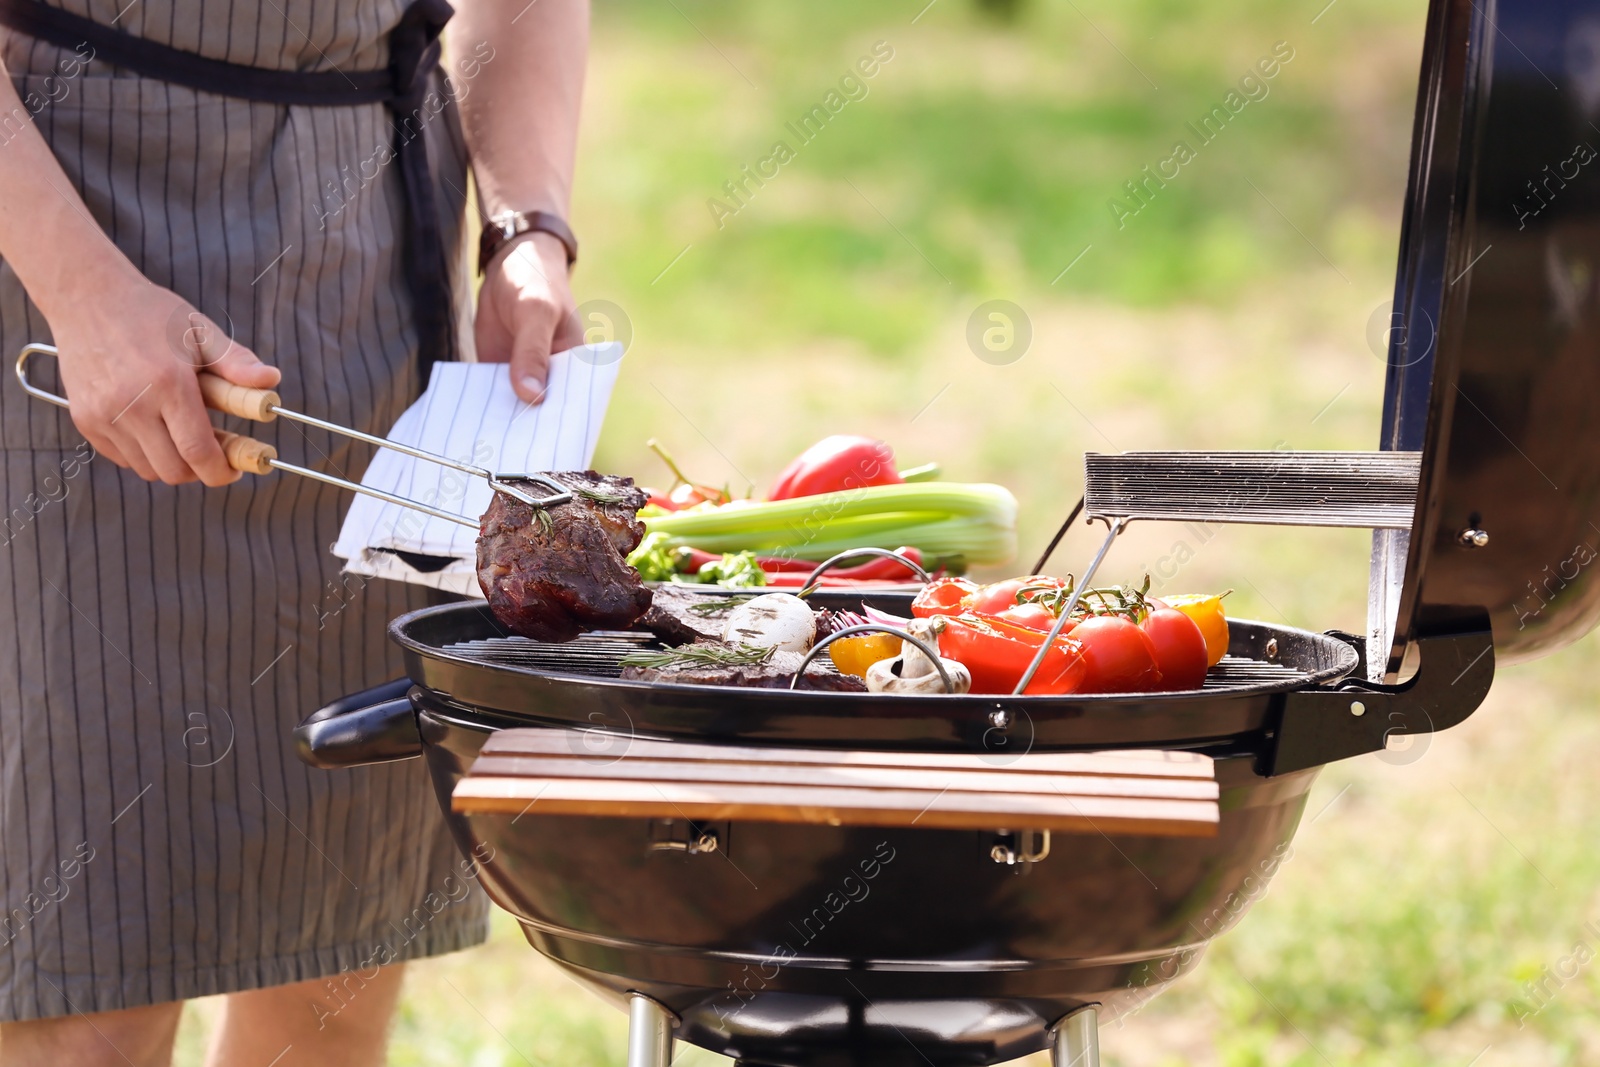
<point>721,604</point>
<point>701,655</point>
<point>734,568</point>
<point>657,559</point>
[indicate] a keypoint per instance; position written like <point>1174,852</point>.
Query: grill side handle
<point>1454,672</point>
<point>377,725</point>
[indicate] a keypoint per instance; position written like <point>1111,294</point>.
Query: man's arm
<point>129,374</point>
<point>520,107</point>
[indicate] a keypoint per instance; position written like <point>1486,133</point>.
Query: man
<point>190,184</point>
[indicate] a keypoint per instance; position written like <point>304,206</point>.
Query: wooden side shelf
<point>557,772</point>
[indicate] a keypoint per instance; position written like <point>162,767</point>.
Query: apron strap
<point>414,51</point>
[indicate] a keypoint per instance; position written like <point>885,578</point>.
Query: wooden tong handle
<point>254,404</point>
<point>245,453</point>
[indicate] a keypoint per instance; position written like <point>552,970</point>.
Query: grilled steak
<point>552,574</point>
<point>673,618</point>
<point>773,673</point>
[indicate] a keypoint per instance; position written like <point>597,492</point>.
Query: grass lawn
<point>1229,307</point>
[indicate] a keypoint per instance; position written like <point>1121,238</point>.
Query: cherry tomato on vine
<point>996,597</point>
<point>1180,648</point>
<point>1119,656</point>
<point>1206,611</point>
<point>1033,616</point>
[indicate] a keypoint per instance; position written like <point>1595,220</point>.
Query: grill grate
<point>1237,672</point>
<point>598,655</point>
<point>1373,490</point>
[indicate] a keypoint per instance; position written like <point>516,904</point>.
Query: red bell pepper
<point>997,654</point>
<point>944,596</point>
<point>835,464</point>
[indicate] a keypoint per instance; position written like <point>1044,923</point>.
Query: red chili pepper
<point>786,565</point>
<point>776,567</point>
<point>874,568</point>
<point>997,653</point>
<point>698,559</point>
<point>835,464</point>
<point>879,567</point>
<point>795,580</point>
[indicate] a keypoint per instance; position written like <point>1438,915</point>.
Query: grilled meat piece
<point>551,574</point>
<point>673,618</point>
<point>773,673</point>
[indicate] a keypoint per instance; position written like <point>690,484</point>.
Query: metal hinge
<point>688,836</point>
<point>1020,848</point>
<point>1320,726</point>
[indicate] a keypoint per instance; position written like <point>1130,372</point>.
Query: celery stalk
<point>977,521</point>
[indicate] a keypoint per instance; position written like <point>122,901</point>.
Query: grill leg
<point>1077,1040</point>
<point>649,1032</point>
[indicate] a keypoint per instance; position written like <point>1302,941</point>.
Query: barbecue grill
<point>818,878</point>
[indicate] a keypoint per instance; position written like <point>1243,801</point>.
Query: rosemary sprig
<point>706,655</point>
<point>601,496</point>
<point>592,492</point>
<point>720,604</point>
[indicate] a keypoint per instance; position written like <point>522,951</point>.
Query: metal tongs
<point>250,456</point>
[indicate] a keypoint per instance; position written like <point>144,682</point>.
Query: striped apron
<point>158,838</point>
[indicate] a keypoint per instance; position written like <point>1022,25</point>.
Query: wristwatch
<point>508,225</point>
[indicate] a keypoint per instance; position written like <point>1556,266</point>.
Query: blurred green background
<point>1233,310</point>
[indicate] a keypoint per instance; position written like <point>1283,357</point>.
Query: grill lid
<point>1485,494</point>
<point>1494,358</point>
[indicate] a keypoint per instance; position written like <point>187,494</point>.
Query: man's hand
<point>525,312</point>
<point>129,361</point>
<point>130,349</point>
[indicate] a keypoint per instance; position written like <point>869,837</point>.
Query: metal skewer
<point>1115,527</point>
<point>255,457</point>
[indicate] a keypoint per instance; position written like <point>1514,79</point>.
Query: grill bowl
<point>460,654</point>
<point>946,956</point>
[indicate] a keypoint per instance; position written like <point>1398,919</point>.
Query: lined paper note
<point>470,413</point>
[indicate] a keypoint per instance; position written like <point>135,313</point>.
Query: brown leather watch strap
<point>509,225</point>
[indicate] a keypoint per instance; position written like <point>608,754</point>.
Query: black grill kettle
<point>1484,499</point>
